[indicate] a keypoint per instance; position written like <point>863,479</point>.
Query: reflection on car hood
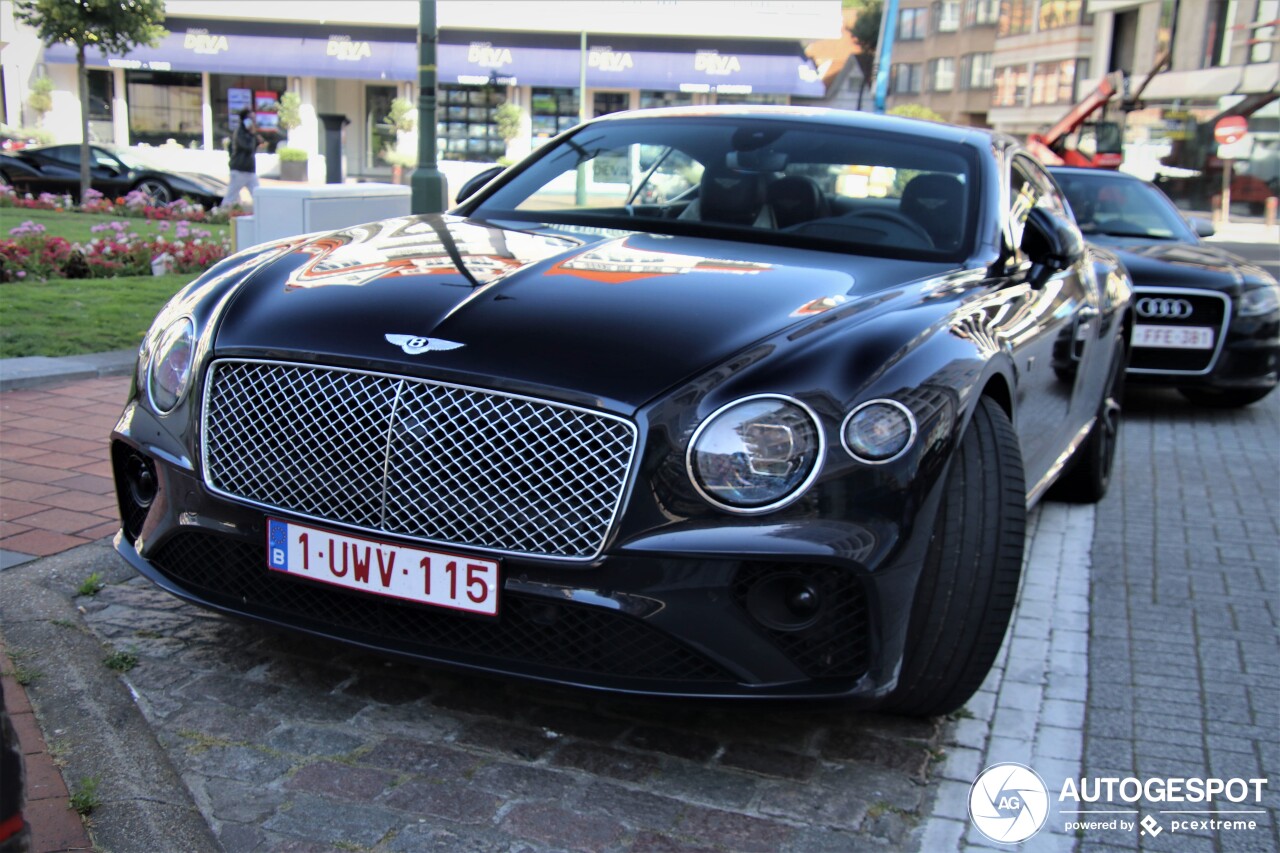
<point>1162,262</point>
<point>614,317</point>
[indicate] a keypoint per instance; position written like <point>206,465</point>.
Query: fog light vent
<point>136,487</point>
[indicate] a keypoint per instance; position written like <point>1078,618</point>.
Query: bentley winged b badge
<point>416,345</point>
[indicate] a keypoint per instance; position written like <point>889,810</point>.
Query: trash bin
<point>333,134</point>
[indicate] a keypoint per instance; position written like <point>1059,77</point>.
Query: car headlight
<point>757,454</point>
<point>1262,299</point>
<point>170,368</point>
<point>878,431</point>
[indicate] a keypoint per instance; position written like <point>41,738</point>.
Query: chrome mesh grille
<point>438,462</point>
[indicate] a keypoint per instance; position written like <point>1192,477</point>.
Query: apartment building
<point>943,57</point>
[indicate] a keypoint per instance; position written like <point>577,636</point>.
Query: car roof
<point>825,116</point>
<point>1097,173</point>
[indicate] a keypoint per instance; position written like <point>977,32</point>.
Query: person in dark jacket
<point>244,142</point>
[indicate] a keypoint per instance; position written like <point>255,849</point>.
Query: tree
<point>866,32</point>
<point>112,26</point>
<point>41,98</point>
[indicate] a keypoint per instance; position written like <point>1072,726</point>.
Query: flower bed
<point>134,205</point>
<point>117,250</point>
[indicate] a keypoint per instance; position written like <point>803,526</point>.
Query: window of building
<point>650,99</point>
<point>976,71</point>
<point>552,110</point>
<point>1262,40</point>
<point>942,74</point>
<point>379,134</point>
<point>1010,86</point>
<point>465,124</point>
<point>1054,82</point>
<point>102,93</point>
<point>946,16</point>
<point>1059,13</point>
<point>230,93</point>
<point>1015,17</point>
<point>164,105</point>
<point>1218,35</point>
<point>906,78</point>
<point>750,98</point>
<point>913,24</point>
<point>981,13</point>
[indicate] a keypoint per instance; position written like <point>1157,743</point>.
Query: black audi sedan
<point>113,171</point>
<point>1206,321</point>
<point>701,402</point>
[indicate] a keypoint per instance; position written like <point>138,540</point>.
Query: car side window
<point>1030,187</point>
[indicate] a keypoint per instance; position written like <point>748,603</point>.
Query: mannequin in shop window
<point>244,143</point>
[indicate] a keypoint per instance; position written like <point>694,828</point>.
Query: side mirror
<point>470,188</point>
<point>1052,243</point>
<point>1203,227</point>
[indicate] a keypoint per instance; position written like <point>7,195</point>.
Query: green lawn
<point>78,316</point>
<point>76,226</point>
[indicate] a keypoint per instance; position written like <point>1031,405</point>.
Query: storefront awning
<point>337,56</point>
<point>692,70</point>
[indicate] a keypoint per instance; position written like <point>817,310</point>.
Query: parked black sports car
<point>114,172</point>
<point>770,433</point>
<point>1207,321</point>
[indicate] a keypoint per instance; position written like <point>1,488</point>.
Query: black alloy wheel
<point>156,190</point>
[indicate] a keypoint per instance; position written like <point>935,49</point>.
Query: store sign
<point>346,50</point>
<point>609,60</point>
<point>711,62</point>
<point>487,56</point>
<point>205,43</point>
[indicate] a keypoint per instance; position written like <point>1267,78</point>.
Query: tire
<point>969,581</point>
<point>156,190</point>
<point>1232,398</point>
<point>1088,476</point>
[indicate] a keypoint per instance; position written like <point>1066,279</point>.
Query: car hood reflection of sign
<point>618,263</point>
<point>346,50</point>
<point>486,55</point>
<point>205,43</point>
<point>607,59</point>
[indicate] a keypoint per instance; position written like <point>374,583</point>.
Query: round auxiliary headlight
<point>756,455</point>
<point>170,370</point>
<point>878,431</point>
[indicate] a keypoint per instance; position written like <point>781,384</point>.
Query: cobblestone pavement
<point>1184,655</point>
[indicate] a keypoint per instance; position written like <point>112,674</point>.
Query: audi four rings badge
<point>416,345</point>
<point>1170,309</point>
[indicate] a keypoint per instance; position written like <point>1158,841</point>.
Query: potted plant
<point>293,163</point>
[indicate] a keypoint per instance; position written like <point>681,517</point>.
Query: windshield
<point>1121,207</point>
<point>130,158</point>
<point>850,189</point>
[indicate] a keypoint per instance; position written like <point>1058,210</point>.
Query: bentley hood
<point>614,317</point>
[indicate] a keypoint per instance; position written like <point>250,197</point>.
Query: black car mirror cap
<point>470,188</point>
<point>1052,243</point>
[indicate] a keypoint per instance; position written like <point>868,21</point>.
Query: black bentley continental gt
<point>699,402</point>
<point>1206,321</point>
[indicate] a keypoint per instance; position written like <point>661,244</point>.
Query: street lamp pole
<point>428,185</point>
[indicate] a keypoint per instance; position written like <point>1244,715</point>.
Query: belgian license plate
<point>1173,337</point>
<point>381,568</point>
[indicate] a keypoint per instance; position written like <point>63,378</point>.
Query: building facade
<point>942,58</point>
<point>349,61</point>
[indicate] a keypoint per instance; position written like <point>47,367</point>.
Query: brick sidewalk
<point>55,494</point>
<point>55,477</point>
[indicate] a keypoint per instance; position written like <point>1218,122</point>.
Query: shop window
<point>1059,13</point>
<point>981,13</point>
<point>102,93</point>
<point>649,99</point>
<point>465,124</point>
<point>1015,17</point>
<point>379,135</point>
<point>913,24</point>
<point>230,93</point>
<point>942,74</point>
<point>603,103</point>
<point>750,98</point>
<point>164,105</point>
<point>552,111</point>
<point>946,16</point>
<point>1011,86</point>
